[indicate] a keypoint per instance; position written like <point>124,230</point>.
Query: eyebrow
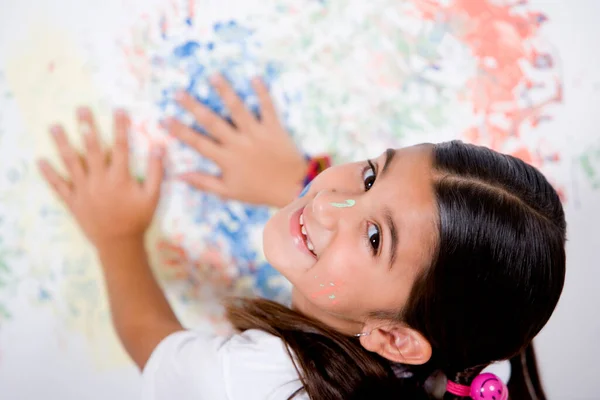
<point>389,155</point>
<point>393,234</point>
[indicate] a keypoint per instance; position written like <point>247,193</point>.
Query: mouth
<point>300,234</point>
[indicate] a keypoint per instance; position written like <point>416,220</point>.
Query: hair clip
<point>485,386</point>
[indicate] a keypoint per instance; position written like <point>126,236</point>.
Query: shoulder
<point>256,359</point>
<point>195,365</point>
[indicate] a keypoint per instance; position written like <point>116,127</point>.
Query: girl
<point>425,260</point>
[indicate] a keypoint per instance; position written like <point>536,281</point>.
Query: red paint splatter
<point>51,67</point>
<point>164,26</point>
<point>325,291</point>
<point>500,36</point>
<point>191,9</point>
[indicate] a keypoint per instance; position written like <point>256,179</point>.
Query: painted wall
<point>349,77</point>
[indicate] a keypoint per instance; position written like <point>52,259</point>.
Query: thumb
<point>154,173</point>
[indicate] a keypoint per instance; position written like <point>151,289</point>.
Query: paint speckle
<point>332,296</point>
<point>346,203</point>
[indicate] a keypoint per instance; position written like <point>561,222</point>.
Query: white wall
<point>45,352</point>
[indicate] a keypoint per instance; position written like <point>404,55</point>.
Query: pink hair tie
<point>485,386</point>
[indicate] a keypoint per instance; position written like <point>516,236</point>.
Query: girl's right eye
<point>369,176</point>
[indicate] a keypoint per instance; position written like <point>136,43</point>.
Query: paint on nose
<point>346,203</point>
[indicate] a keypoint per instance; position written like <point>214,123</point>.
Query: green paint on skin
<point>347,203</point>
<point>332,296</point>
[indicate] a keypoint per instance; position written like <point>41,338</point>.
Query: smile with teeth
<point>307,241</point>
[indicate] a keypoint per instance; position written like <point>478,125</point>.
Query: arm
<point>114,211</point>
<point>259,161</point>
<point>140,312</point>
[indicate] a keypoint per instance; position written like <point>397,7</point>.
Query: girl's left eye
<point>373,237</point>
<point>369,176</point>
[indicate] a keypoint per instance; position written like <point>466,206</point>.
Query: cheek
<point>336,280</point>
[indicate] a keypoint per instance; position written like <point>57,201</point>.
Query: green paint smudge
<point>347,203</point>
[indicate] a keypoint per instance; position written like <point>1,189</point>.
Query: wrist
<point>315,165</point>
<point>114,244</point>
<point>311,167</point>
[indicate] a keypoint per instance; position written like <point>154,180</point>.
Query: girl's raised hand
<point>259,161</point>
<point>107,202</point>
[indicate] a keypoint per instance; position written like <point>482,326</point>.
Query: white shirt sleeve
<point>188,365</point>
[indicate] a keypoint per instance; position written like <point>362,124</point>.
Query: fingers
<point>216,126</point>
<point>202,144</point>
<point>205,182</point>
<point>70,158</point>
<point>95,156</point>
<point>240,115</point>
<point>154,174</point>
<point>268,113</point>
<point>60,186</point>
<point>120,153</point>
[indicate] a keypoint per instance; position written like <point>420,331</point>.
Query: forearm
<point>141,314</point>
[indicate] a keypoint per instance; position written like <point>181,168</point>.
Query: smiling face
<point>357,240</point>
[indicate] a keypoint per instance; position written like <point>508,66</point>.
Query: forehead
<point>409,177</point>
<point>407,190</point>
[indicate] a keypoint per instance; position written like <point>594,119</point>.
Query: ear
<point>398,343</point>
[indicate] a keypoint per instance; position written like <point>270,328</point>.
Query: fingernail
<point>42,163</point>
<point>156,151</point>
<point>216,79</point>
<point>55,129</point>
<point>180,95</point>
<point>83,112</point>
<point>167,123</point>
<point>256,80</point>
<point>85,128</point>
<point>119,112</point>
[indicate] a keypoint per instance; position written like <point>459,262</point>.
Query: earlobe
<point>399,344</point>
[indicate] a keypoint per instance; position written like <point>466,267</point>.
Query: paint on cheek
<point>328,290</point>
<point>346,203</point>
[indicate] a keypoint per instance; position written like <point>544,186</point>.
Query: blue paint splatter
<point>186,49</point>
<point>199,60</point>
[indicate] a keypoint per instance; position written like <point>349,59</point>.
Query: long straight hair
<point>495,278</point>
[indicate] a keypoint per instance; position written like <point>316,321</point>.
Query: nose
<point>329,206</point>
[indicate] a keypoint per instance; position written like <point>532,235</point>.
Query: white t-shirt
<point>189,365</point>
<point>253,365</point>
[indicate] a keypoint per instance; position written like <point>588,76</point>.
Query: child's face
<point>357,265</point>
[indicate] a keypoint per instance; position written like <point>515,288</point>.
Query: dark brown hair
<point>495,278</point>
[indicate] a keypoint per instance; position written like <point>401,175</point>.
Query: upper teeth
<point>309,244</point>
